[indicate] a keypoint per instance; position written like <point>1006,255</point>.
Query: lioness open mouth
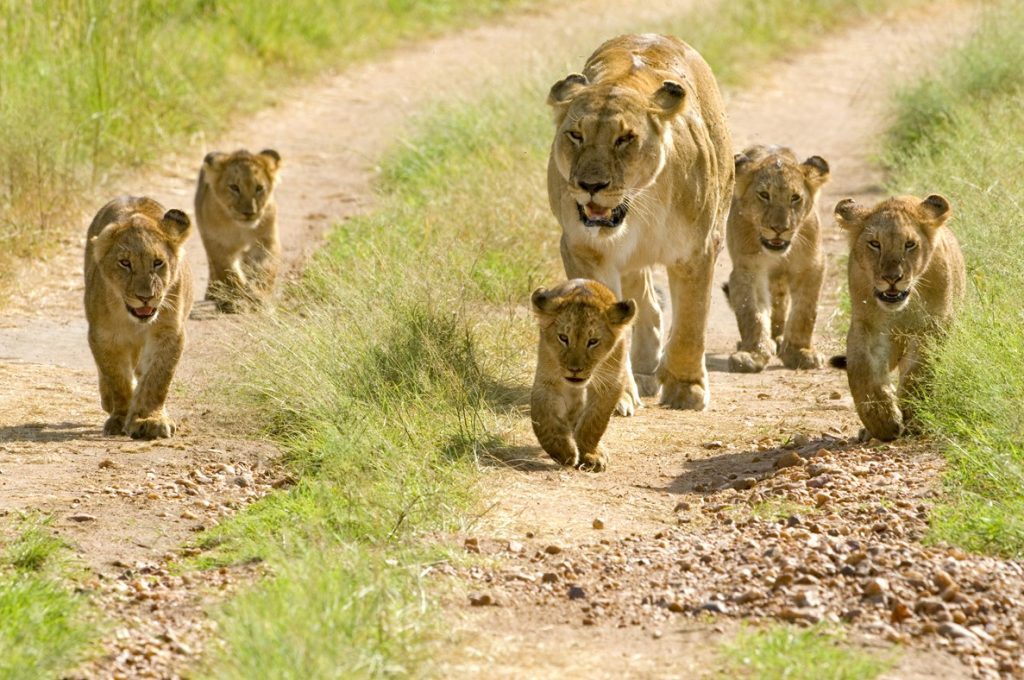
<point>594,215</point>
<point>776,244</point>
<point>142,313</point>
<point>892,296</point>
<point>576,381</point>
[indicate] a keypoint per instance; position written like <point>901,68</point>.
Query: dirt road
<point>126,505</point>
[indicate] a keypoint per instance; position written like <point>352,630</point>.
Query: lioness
<point>237,220</point>
<point>641,173</point>
<point>906,279</point>
<point>581,369</point>
<point>138,293</point>
<point>774,240</point>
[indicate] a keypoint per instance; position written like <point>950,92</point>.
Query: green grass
<point>44,626</point>
<point>959,134</point>
<point>89,88</point>
<point>399,365</point>
<point>816,653</point>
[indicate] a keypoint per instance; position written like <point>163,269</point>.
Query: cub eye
<point>795,198</point>
<point>576,137</point>
<point>874,245</point>
<point>127,264</point>
<point>259,188</point>
<point>592,343</point>
<point>234,188</point>
<point>910,245</point>
<point>157,264</point>
<point>763,195</point>
<point>625,139</point>
<point>563,339</point>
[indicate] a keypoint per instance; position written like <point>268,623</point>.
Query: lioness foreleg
<point>115,375</point>
<point>683,375</point>
<point>147,418</point>
<point>645,349</point>
<point>797,350</point>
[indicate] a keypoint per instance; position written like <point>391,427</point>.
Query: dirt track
<point>145,499</point>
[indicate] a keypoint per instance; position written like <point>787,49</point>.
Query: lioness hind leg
<point>645,348</point>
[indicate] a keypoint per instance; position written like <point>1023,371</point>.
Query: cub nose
<point>593,187</point>
<point>144,298</point>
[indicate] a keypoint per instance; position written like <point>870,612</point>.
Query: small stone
<point>598,523</point>
<point>900,613</point>
<point>801,439</point>
<point>807,598</point>
<point>943,580</point>
<point>484,600</point>
<point>577,593</point>
<point>82,517</point>
<point>588,621</point>
<point>712,445</point>
<point>835,395</point>
<point>106,463</point>
<point>282,482</point>
<point>789,459</point>
<point>715,607</point>
<point>515,547</point>
<point>744,483</point>
<point>549,577</point>
<point>876,587</point>
<point>821,498</point>
<point>553,549</point>
<point>188,514</point>
<point>676,607</point>
<point>955,631</point>
<point>471,545</point>
<point>681,506</point>
<point>241,481</point>
<point>747,597</point>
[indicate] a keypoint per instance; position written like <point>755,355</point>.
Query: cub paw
<point>114,425</point>
<point>595,461</point>
<point>801,358</point>
<point>684,394</point>
<point>747,362</point>
<point>647,384</point>
<point>157,427</point>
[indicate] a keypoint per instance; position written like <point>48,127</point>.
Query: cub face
<point>140,258</point>
<point>609,143</point>
<point>581,321</point>
<point>776,193</point>
<point>243,182</point>
<point>891,243</point>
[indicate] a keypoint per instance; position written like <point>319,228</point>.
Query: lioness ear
<point>541,300</point>
<point>669,98</point>
<point>176,225</point>
<point>816,171</point>
<point>935,210</point>
<point>566,88</point>
<point>848,213</point>
<point>101,242</point>
<point>272,158</point>
<point>621,312</point>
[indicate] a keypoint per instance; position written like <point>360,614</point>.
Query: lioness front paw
<point>684,394</point>
<point>115,424</point>
<point>595,461</point>
<point>647,384</point>
<point>629,402</point>
<point>747,362</point>
<point>157,427</point>
<point>802,358</point>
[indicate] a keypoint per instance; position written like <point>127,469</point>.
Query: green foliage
<point>798,654</point>
<point>960,133</point>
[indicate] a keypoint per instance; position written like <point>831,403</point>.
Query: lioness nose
<point>892,277</point>
<point>144,298</point>
<point>593,187</point>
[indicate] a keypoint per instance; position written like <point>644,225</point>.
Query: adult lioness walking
<point>641,173</point>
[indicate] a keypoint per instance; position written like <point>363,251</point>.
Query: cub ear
<point>566,88</point>
<point>176,225</point>
<point>669,98</point>
<point>621,313</point>
<point>742,162</point>
<point>816,171</point>
<point>214,162</point>
<point>272,158</point>
<point>542,301</point>
<point>102,241</point>
<point>935,210</point>
<point>848,213</point>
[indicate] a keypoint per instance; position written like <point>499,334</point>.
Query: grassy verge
<point>798,654</point>
<point>405,352</point>
<point>88,88</point>
<point>959,133</point>
<point>43,626</point>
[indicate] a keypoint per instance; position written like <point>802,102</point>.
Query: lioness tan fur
<point>774,239</point>
<point>907,278</point>
<point>581,369</point>
<point>237,219</point>
<point>641,173</point>
<point>138,293</point>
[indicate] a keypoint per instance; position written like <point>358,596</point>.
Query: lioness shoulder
<point>906,278</point>
<point>774,239</point>
<point>138,293</point>
<point>581,369</point>
<point>237,219</point>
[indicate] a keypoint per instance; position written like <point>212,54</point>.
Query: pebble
<point>553,549</point>
<point>876,587</point>
<point>576,593</point>
<point>598,523</point>
<point>484,600</point>
<point>744,483</point>
<point>712,445</point>
<point>788,459</point>
<point>82,517</point>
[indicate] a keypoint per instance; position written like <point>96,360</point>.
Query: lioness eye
<point>763,195</point>
<point>874,245</point>
<point>234,188</point>
<point>592,342</point>
<point>127,264</point>
<point>563,339</point>
<point>625,139</point>
<point>574,136</point>
<point>911,245</point>
<point>157,264</point>
<point>795,198</point>
<point>259,188</point>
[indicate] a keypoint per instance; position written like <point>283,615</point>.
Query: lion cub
<point>138,293</point>
<point>237,220</point>
<point>581,369</point>
<point>906,279</point>
<point>774,239</point>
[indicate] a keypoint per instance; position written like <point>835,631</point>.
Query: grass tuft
<point>799,654</point>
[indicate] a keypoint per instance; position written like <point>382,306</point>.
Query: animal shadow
<point>522,458</point>
<point>47,432</point>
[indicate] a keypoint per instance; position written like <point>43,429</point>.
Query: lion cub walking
<point>906,279</point>
<point>581,369</point>
<point>138,293</point>
<point>237,220</point>
<point>774,238</point>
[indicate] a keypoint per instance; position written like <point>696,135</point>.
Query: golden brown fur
<point>906,277</point>
<point>641,173</point>
<point>237,220</point>
<point>774,239</point>
<point>138,294</point>
<point>581,370</point>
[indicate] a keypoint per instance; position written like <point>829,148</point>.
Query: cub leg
<point>797,349</point>
<point>645,350</point>
<point>683,374</point>
<point>260,264</point>
<point>227,285</point>
<point>603,393</point>
<point>751,301</point>
<point>868,369</point>
<point>911,371</point>
<point>550,417</point>
<point>147,418</point>
<point>115,384</point>
<point>778,288</point>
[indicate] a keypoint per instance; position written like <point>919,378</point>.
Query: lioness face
<point>892,243</point>
<point>776,194</point>
<point>243,182</point>
<point>139,258</point>
<point>582,324</point>
<point>609,144</point>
